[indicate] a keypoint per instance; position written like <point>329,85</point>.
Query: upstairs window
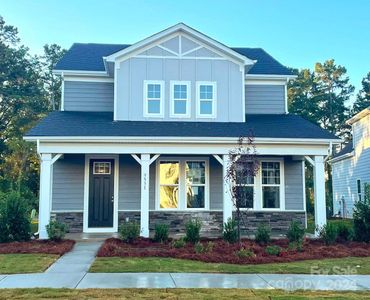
<point>206,99</point>
<point>180,99</point>
<point>153,98</point>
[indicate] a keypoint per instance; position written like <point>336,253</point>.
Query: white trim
<point>88,79</point>
<point>344,156</point>
<point>219,159</point>
<point>136,158</point>
<point>182,57</point>
<point>171,31</point>
<point>67,211</point>
<point>191,50</point>
<point>172,99</point>
<point>214,100</point>
<point>62,94</point>
<point>286,97</point>
<point>81,73</point>
<point>161,99</point>
<point>115,92</point>
<point>363,113</point>
<point>159,139</point>
<point>166,49</point>
<point>182,184</point>
<point>115,194</point>
<point>264,81</point>
<point>269,76</point>
<point>304,186</point>
<point>56,157</point>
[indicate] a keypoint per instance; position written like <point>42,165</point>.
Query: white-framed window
<point>153,98</point>
<point>359,190</point>
<point>101,168</point>
<point>271,184</point>
<point>169,184</point>
<point>206,99</point>
<point>180,94</point>
<point>246,189</point>
<point>182,184</point>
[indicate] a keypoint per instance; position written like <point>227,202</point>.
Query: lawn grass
<point>157,264</point>
<point>187,294</point>
<point>25,263</point>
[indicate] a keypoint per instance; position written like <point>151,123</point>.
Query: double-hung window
<point>153,98</point>
<point>195,184</point>
<point>206,99</point>
<point>183,184</point>
<point>180,99</point>
<point>271,185</point>
<point>169,183</point>
<point>244,186</point>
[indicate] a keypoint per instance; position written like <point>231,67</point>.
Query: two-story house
<point>145,130</point>
<point>351,167</point>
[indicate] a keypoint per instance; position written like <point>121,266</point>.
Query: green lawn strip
<point>361,265</point>
<point>187,294</point>
<point>25,263</point>
<point>311,223</point>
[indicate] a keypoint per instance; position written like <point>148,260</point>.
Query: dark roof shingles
<point>346,149</point>
<point>70,124</point>
<point>89,57</point>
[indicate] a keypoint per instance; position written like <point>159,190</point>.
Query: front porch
<point>139,193</point>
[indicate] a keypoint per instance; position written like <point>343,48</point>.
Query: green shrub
<point>204,248</point>
<point>295,232</point>
<point>244,253</point>
<point>193,231</point>
<point>328,233</point>
<point>296,246</point>
<point>129,231</point>
<point>230,232</point>
<point>15,223</point>
<point>180,243</point>
<point>161,233</point>
<point>361,221</point>
<point>263,234</point>
<point>344,231</point>
<point>56,230</point>
<point>273,250</point>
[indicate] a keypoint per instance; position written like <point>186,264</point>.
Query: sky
<point>297,33</point>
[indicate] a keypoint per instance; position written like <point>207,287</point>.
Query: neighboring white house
<point>145,130</point>
<point>351,166</point>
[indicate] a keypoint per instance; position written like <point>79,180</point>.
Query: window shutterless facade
<point>180,95</point>
<point>153,98</point>
<point>182,184</point>
<point>266,190</point>
<point>206,99</point>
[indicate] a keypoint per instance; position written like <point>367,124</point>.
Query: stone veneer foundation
<point>212,220</point>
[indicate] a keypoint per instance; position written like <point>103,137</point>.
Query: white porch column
<point>319,188</point>
<point>144,211</point>
<point>45,194</point>
<point>227,200</point>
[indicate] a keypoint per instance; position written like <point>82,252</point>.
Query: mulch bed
<point>224,252</point>
<point>37,246</point>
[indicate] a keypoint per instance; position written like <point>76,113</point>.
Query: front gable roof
<point>89,57</point>
<point>169,33</point>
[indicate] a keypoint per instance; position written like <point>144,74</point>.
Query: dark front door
<point>101,195</point>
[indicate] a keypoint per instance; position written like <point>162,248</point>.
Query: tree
<point>302,98</point>
<point>333,91</point>
<point>52,83</point>
<point>363,96</point>
<point>242,168</point>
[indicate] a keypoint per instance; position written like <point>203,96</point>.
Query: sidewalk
<point>70,271</point>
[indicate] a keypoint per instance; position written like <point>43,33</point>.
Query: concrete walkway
<point>70,271</point>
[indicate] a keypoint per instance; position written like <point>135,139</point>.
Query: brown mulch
<point>37,246</point>
<point>224,252</point>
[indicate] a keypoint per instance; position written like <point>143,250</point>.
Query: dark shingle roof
<point>89,57</point>
<point>346,149</point>
<point>97,124</point>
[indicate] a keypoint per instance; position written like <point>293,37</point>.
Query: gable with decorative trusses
<point>180,42</point>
